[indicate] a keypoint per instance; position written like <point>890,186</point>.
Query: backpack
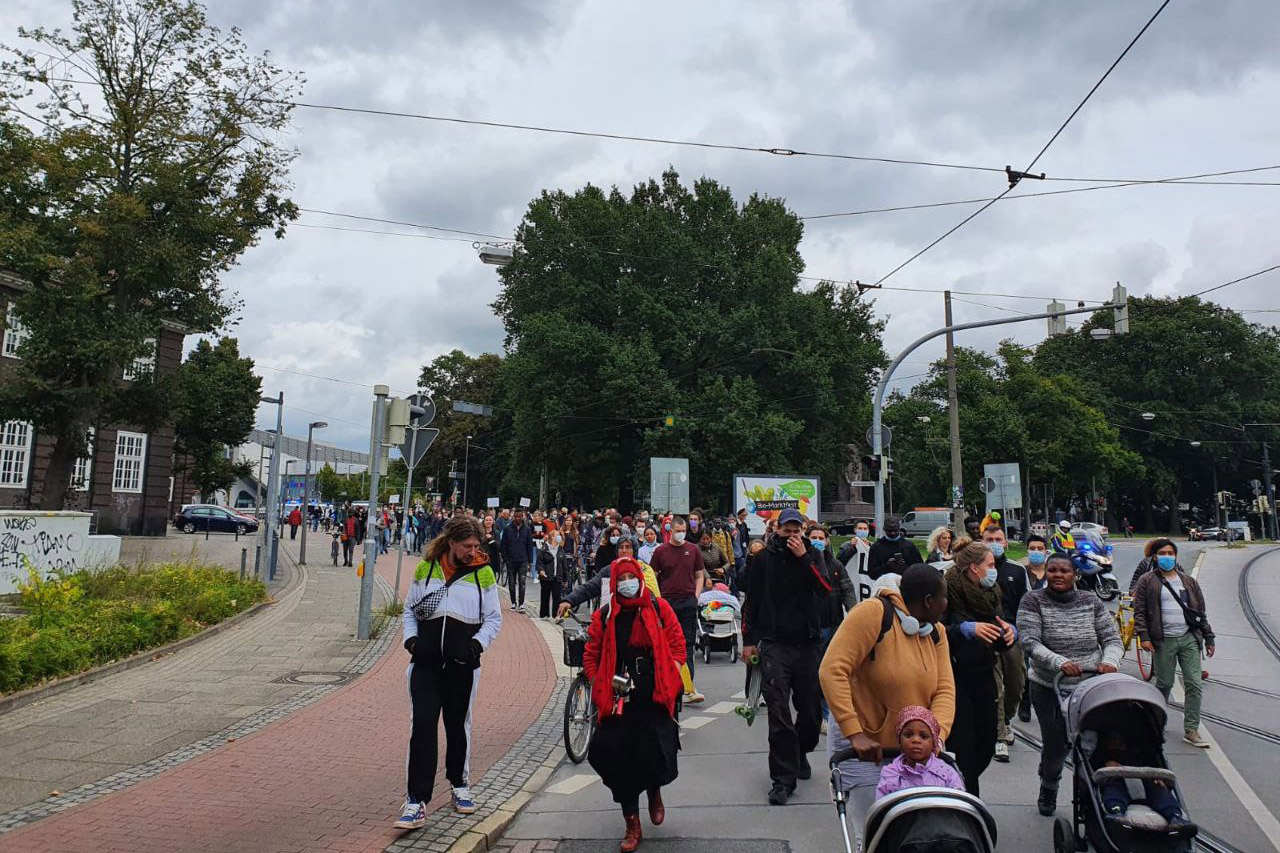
<point>886,623</point>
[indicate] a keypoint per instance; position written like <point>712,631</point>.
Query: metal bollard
<point>244,558</point>
<point>257,560</point>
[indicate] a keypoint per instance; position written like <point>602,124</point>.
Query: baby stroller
<point>917,820</point>
<point>1117,703</point>
<point>719,624</point>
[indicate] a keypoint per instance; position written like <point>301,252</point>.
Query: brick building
<point>126,480</point>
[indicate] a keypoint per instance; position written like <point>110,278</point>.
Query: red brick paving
<point>327,778</point>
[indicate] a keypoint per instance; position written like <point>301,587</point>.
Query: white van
<point>921,522</point>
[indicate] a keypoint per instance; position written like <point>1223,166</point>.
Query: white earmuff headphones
<point>911,625</point>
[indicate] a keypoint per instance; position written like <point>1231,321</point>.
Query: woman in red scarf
<point>635,639</point>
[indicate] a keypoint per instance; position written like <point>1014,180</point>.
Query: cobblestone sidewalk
<point>110,726</point>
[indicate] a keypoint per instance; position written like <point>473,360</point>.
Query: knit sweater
<point>866,695</point>
<point>1057,628</point>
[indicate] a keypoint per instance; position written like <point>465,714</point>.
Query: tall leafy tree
<point>143,180</point>
<point>1204,371</point>
<point>216,396</point>
<point>473,379</point>
<point>671,322</point>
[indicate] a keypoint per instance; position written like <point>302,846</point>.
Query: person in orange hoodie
<point>889,652</point>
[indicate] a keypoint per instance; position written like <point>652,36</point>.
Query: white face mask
<point>629,587</point>
<point>677,536</point>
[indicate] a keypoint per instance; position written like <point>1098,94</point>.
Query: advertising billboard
<point>763,496</point>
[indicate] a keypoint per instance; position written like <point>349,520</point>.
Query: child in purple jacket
<point>919,765</point>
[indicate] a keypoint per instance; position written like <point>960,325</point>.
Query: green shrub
<point>81,620</point>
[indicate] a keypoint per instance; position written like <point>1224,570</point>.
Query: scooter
<point>1092,557</point>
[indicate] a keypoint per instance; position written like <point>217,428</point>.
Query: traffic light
<point>871,464</point>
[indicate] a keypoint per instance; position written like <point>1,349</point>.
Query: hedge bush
<point>84,619</point>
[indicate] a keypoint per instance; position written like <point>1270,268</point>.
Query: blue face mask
<point>894,537</point>
<point>989,579</point>
<point>614,540</point>
<point>997,550</point>
<point>1037,558</point>
<point>819,545</point>
<point>1166,562</point>
<point>862,534</point>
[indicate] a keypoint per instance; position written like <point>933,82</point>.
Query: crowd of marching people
<point>918,682</point>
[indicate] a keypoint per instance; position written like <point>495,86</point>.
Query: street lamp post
<point>466,470</point>
<point>271,532</point>
<point>306,492</point>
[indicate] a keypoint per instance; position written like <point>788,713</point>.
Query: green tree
<point>329,483</point>
<point>679,302</point>
<point>215,398</point>
<point>146,180</point>
<point>1204,371</point>
<point>473,379</point>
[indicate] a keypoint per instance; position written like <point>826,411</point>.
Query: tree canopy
<point>671,322</point>
<point>216,396</point>
<point>143,181</point>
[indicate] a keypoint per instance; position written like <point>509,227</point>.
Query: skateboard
<point>755,680</point>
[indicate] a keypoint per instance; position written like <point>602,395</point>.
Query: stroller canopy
<point>1110,691</point>
<point>930,820</point>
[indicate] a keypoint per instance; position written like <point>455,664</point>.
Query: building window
<point>15,453</point>
<point>131,452</point>
<point>143,365</point>
<point>83,469</point>
<point>14,333</point>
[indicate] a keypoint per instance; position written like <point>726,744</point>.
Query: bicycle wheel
<point>1145,663</point>
<point>579,719</point>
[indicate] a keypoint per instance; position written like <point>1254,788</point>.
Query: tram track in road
<point>1265,634</point>
<point>1205,841</point>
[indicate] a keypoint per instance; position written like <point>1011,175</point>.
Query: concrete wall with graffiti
<point>50,541</point>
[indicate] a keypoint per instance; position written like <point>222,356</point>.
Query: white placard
<point>526,502</point>
<point>395,499</point>
<point>492,502</point>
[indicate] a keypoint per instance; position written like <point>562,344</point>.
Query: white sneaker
<point>694,698</point>
<point>1193,738</point>
<point>1002,752</point>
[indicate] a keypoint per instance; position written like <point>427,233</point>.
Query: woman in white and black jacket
<point>451,616</point>
<point>555,567</point>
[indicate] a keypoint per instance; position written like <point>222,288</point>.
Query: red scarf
<point>646,633</point>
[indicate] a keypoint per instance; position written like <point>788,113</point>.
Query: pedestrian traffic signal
<point>878,467</point>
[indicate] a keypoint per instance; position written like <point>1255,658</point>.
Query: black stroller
<point>917,820</point>
<point>1118,703</point>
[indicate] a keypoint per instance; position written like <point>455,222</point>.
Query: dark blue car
<point>197,518</point>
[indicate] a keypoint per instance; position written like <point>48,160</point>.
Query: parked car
<point>197,518</point>
<point>1213,533</point>
<point>1090,527</point>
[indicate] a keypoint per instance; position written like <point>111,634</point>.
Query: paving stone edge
<point>360,664</point>
<point>14,701</point>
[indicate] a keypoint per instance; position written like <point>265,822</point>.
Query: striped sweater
<point>1059,628</point>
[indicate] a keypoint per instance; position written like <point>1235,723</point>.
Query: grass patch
<point>383,615</point>
<point>77,621</point>
<point>1014,550</point>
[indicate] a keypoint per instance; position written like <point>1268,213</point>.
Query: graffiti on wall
<point>44,545</point>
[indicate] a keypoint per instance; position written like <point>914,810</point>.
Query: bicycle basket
<point>575,642</point>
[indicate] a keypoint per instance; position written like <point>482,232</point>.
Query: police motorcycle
<point>1092,559</point>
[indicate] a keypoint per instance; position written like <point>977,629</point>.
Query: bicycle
<point>579,709</point>
<point>1129,637</point>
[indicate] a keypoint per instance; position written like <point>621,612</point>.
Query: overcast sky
<point>983,83</point>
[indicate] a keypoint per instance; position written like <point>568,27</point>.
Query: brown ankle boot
<point>657,812</point>
<point>634,835</point>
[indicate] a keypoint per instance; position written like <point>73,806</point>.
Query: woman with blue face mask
<point>1169,616</point>
<point>976,632</point>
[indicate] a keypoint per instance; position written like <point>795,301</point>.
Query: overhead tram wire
<point>1186,180</point>
<point>1015,177</point>
<point>1237,280</point>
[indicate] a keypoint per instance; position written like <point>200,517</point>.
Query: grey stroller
<point>1118,705</point>
<point>917,820</point>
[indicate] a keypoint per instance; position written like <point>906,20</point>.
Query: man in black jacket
<point>517,549</point>
<point>1011,668</point>
<point>892,552</point>
<point>787,585</point>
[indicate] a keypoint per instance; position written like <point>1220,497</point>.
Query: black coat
<point>558,567</point>
<point>517,544</point>
<point>1012,578</point>
<point>891,557</point>
<point>785,595</point>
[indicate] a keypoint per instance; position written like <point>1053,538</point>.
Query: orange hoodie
<point>865,695</point>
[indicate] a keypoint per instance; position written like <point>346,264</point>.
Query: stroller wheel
<point>1064,836</point>
<point>706,653</point>
<point>733,653</point>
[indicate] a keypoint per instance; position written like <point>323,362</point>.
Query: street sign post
<point>420,439</point>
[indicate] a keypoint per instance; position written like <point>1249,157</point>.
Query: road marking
<point>722,708</point>
<point>573,784</point>
<point>696,722</point>
<point>1248,798</point>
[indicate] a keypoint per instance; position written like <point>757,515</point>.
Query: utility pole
<point>406,502</point>
<point>270,527</point>
<point>1269,490</point>
<point>364,618</point>
<point>306,492</point>
<point>877,401</point>
<point>953,419</point>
